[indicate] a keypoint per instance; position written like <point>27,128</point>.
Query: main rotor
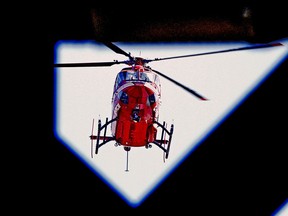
<point>143,62</point>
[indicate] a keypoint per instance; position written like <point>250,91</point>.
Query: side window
<point>116,82</point>
<point>157,81</point>
<point>119,78</point>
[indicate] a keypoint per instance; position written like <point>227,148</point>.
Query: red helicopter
<point>136,100</point>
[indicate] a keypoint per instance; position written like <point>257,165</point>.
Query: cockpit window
<point>136,76</point>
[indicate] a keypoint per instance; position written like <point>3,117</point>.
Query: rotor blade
<point>88,64</point>
<point>116,49</point>
<point>181,85</point>
<point>221,51</point>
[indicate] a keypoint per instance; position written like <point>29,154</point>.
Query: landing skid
<point>164,143</point>
<point>105,139</point>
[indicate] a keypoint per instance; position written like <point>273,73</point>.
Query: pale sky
<point>86,93</point>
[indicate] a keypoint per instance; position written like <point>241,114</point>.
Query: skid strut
<point>105,139</point>
<point>163,141</point>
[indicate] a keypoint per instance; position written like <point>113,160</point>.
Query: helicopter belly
<point>135,114</point>
<point>131,133</point>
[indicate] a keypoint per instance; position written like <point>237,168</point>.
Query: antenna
<point>127,149</point>
<point>127,162</point>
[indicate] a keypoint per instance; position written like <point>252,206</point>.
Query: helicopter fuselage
<point>135,105</point>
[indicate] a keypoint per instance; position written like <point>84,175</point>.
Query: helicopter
<point>136,101</point>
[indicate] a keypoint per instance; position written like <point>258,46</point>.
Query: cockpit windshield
<point>145,76</point>
<point>132,75</point>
